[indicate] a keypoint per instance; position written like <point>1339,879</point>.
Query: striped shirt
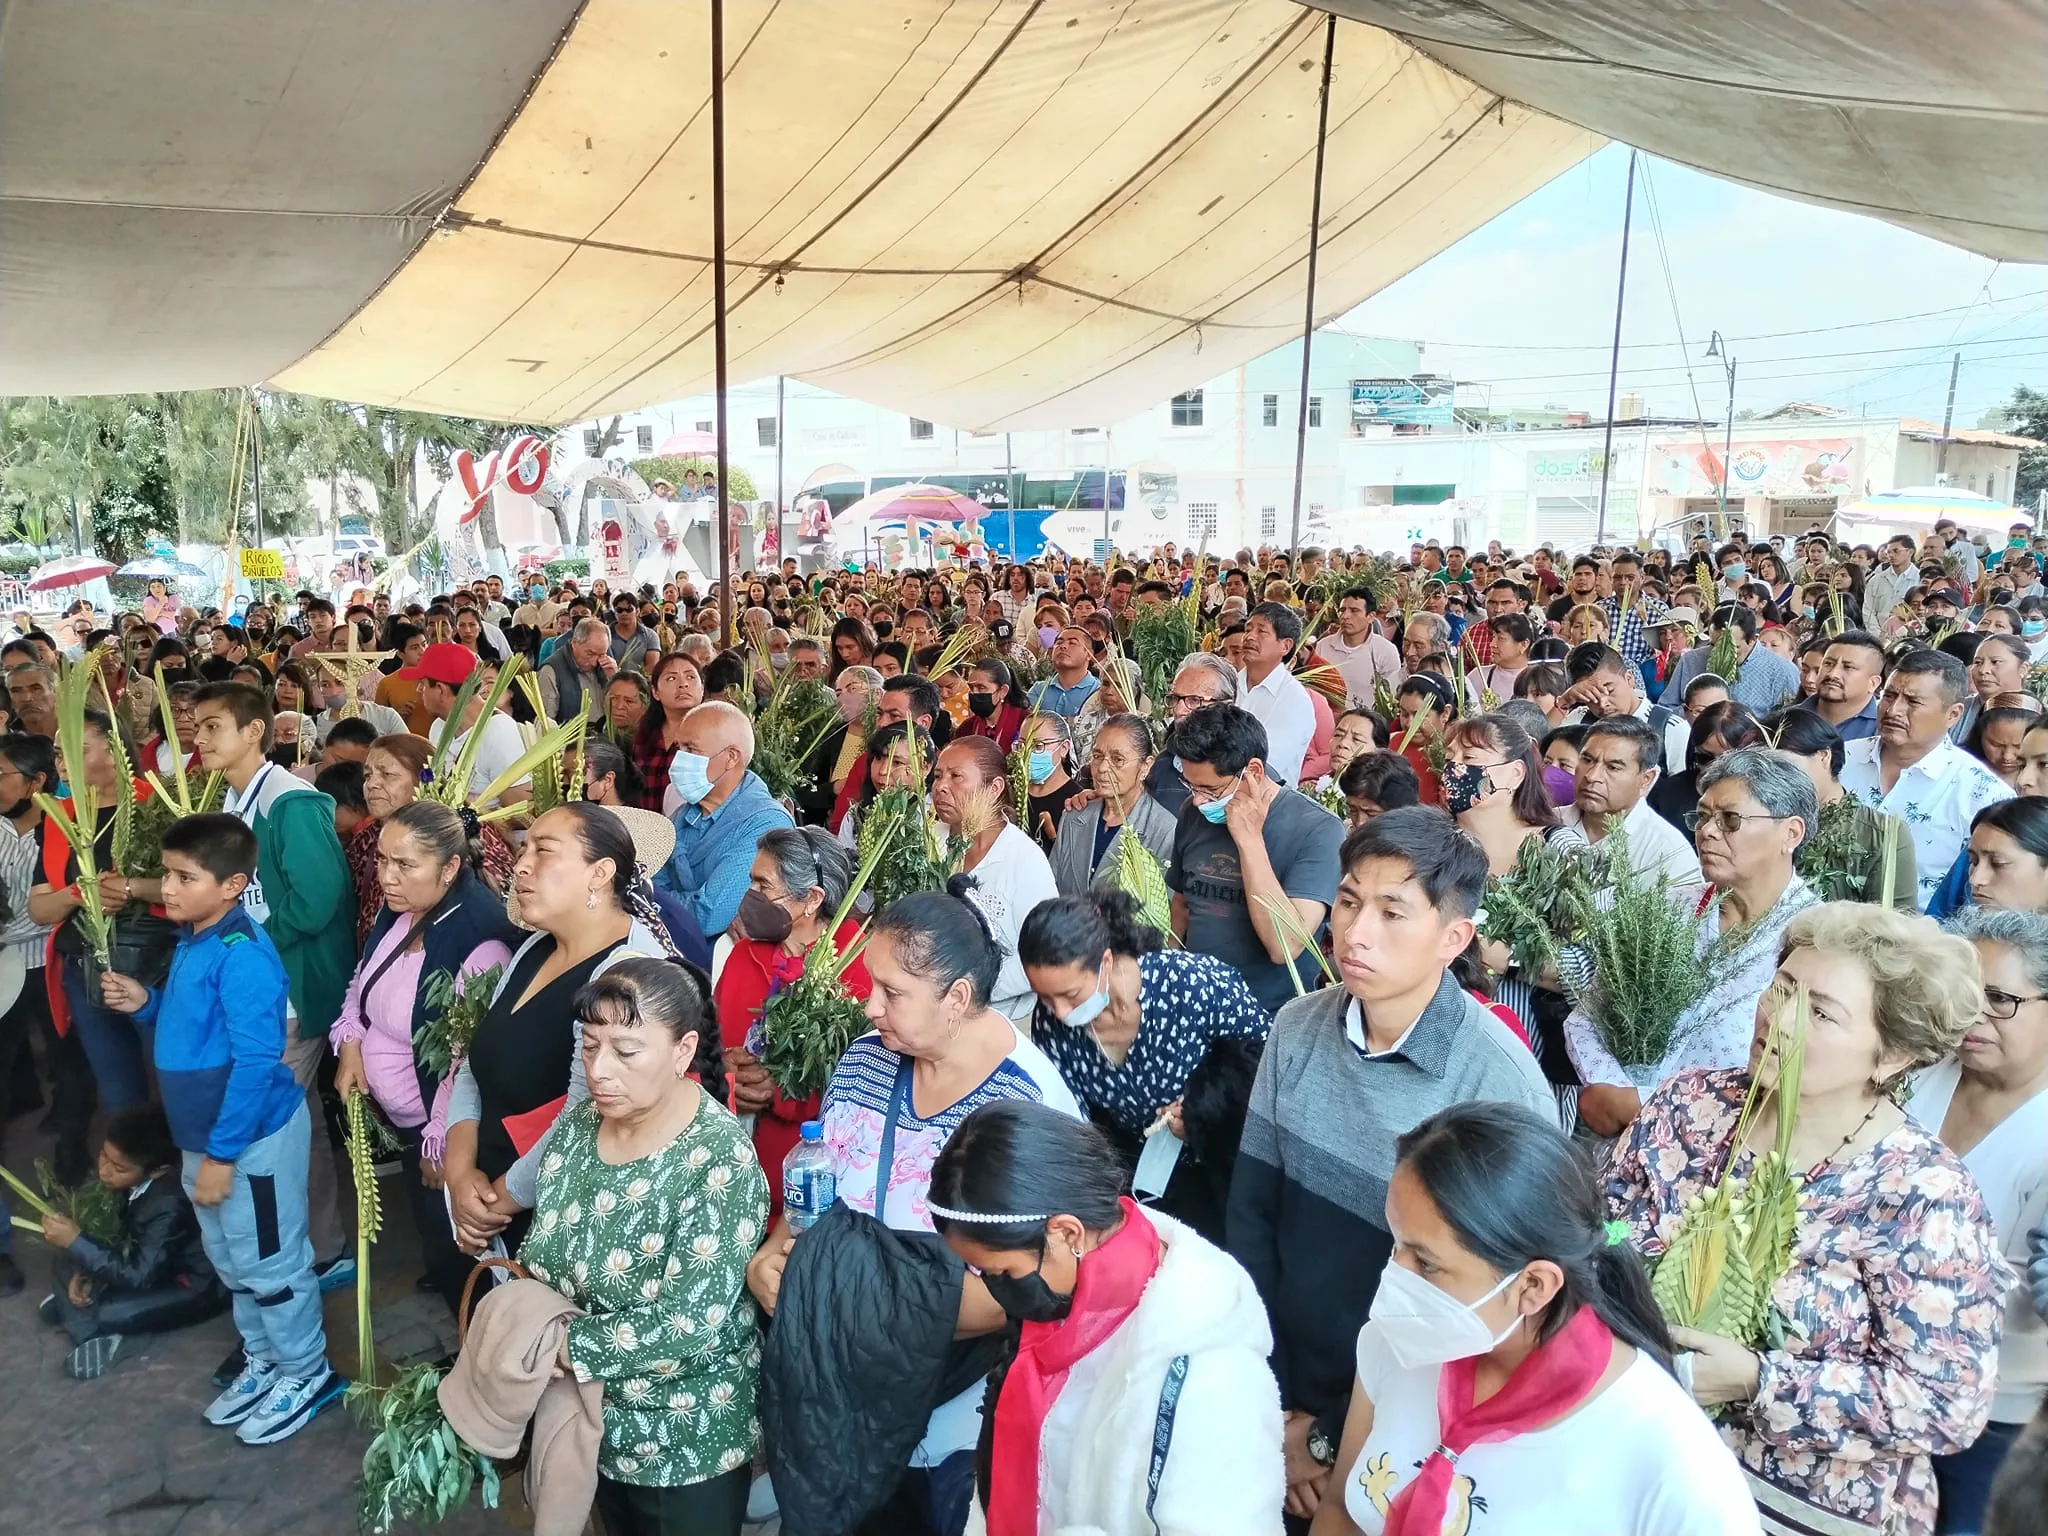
<point>18,855</point>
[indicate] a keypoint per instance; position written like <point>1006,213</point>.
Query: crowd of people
<point>1207,1153</point>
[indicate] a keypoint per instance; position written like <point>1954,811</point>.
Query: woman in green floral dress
<point>650,1202</point>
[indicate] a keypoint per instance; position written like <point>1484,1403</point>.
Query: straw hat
<point>654,840</point>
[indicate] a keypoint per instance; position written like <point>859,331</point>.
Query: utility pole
<point>1948,417</point>
<point>1719,348</point>
<point>1628,208</point>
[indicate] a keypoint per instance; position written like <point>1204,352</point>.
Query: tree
<point>739,484</point>
<point>2026,415</point>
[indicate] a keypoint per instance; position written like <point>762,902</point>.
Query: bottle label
<point>807,1193</point>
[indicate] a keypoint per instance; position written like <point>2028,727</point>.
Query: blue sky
<point>1523,308</point>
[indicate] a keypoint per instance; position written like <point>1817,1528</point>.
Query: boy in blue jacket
<point>241,1123</point>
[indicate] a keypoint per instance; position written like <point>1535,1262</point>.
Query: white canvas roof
<point>994,214</point>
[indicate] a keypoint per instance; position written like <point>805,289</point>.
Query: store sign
<point>263,564</point>
<point>1548,471</point>
<point>831,439</point>
<point>1424,400</point>
<point>1776,467</point>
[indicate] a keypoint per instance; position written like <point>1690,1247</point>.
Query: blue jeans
<point>117,1047</point>
<point>257,1241</point>
<point>1964,1479</point>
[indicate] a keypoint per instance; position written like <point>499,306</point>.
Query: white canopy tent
<point>1001,214</point>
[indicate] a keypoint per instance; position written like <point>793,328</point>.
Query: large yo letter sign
<point>523,463</point>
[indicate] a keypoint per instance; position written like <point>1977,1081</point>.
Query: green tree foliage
<point>739,484</point>
<point>2026,415</point>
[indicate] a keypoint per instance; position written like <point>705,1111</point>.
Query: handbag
<point>1784,1513</point>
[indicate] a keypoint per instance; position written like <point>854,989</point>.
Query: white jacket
<point>1224,1475</point>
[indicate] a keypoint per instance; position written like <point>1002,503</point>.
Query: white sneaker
<point>290,1405</point>
<point>242,1394</point>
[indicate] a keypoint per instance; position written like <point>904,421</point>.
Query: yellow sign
<point>263,564</point>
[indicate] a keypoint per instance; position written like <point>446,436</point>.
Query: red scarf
<point>1106,1292</point>
<point>1551,1381</point>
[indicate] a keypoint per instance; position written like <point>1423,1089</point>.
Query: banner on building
<point>1423,401</point>
<point>1776,467</point>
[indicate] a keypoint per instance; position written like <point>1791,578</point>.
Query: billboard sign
<point>1423,401</point>
<point>1778,467</point>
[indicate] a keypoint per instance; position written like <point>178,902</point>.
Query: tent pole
<point>1628,208</point>
<point>781,549</point>
<point>1010,493</point>
<point>1308,317</point>
<point>723,509</point>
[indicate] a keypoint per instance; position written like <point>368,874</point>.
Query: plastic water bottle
<point>809,1186</point>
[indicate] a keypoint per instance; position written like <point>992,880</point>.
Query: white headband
<point>983,1217</point>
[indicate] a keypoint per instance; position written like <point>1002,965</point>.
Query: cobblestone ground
<point>129,1455</point>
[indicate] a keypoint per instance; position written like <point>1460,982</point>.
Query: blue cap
<point>813,1130</point>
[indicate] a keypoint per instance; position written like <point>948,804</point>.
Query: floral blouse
<point>1893,1305</point>
<point>655,1252</point>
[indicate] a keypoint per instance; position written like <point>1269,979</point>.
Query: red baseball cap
<point>445,662</point>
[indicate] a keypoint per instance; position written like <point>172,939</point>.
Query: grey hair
<point>697,646</point>
<point>1216,666</point>
<point>591,629</point>
<point>1775,778</point>
<point>45,673</point>
<point>2024,933</point>
<point>1528,714</point>
<point>867,675</point>
<point>1434,622</point>
<point>809,859</point>
<point>806,643</point>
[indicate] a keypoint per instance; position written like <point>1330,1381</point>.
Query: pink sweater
<point>383,1020</point>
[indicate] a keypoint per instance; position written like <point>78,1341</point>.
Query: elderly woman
<point>799,878</point>
<point>1896,1289</point>
<point>1989,1106</point>
<point>839,752</point>
<point>438,921</point>
<point>677,686</point>
<point>1756,809</point>
<point>938,1052</point>
<point>1118,766</point>
<point>971,798</point>
<point>650,1202</point>
<point>580,890</point>
<point>393,770</point>
<point>1846,857</point>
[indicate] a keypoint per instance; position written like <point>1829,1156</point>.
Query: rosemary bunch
<point>807,1025</point>
<point>416,1469</point>
<point>1647,969</point>
<point>1538,905</point>
<point>1161,639</point>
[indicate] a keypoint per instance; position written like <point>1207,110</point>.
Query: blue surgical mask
<point>2033,626</point>
<point>690,773</point>
<point>1736,572</point>
<point>1809,610</point>
<point>1089,1009</point>
<point>1041,765</point>
<point>1213,811</point>
<point>536,591</point>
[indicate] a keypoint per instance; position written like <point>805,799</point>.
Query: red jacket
<point>1002,727</point>
<point>752,971</point>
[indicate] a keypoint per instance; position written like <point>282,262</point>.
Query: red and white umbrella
<point>686,445</point>
<point>71,571</point>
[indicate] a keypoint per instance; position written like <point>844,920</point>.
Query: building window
<point>1315,410</point>
<point>1201,520</point>
<point>920,431</point>
<point>643,439</point>
<point>1269,522</point>
<point>764,431</point>
<point>1187,409</point>
<point>1269,411</point>
<point>591,438</point>
<point>704,426</point>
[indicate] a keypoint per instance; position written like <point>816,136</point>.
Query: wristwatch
<point>1321,1448</point>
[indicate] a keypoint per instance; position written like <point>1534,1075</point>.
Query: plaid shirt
<point>650,756</point>
<point>1478,642</point>
<point>1631,635</point>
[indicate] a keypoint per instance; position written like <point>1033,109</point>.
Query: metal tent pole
<point>1628,208</point>
<point>1308,318</point>
<point>722,511</point>
<point>781,549</point>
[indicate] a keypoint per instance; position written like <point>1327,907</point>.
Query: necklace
<point>1841,1145</point>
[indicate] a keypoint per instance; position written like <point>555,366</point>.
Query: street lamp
<point>1717,348</point>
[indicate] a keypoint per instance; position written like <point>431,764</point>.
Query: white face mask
<point>1424,1326</point>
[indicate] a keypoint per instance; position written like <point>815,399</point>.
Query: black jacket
<point>162,1245</point>
<point>815,798</point>
<point>860,1352</point>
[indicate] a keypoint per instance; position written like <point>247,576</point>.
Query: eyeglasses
<point>1189,700</point>
<point>1116,762</point>
<point>2003,1005</point>
<point>1727,823</point>
<point>1202,795</point>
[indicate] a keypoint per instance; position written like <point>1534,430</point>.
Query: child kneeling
<point>241,1122</point>
<point>154,1275</point>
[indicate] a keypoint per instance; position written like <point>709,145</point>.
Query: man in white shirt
<point>1272,694</point>
<point>1911,769</point>
<point>1888,585</point>
<point>442,671</point>
<point>1617,766</point>
<point>1358,651</point>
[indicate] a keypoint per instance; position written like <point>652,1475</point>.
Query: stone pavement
<point>129,1455</point>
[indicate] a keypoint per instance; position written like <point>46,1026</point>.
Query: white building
<point>1213,466</point>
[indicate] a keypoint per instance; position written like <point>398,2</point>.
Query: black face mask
<point>1028,1299</point>
<point>983,704</point>
<point>884,629</point>
<point>286,756</point>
